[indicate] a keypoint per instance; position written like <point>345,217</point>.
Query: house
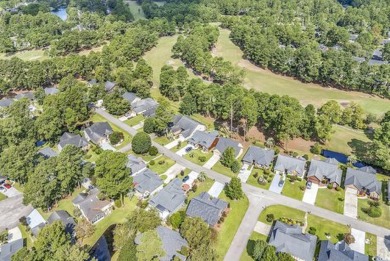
<point>291,166</point>
<point>131,97</point>
<point>289,239</point>
<point>207,208</point>
<point>5,103</point>
<point>7,250</point>
<point>135,164</point>
<point>172,243</point>
<point>51,90</point>
<point>170,199</point>
<point>339,252</point>
<point>147,107</point>
<point>204,140</point>
<point>259,157</point>
<point>47,152</point>
<point>224,143</point>
<point>324,173</point>
<point>98,132</point>
<point>109,86</point>
<point>368,169</point>
<point>364,182</point>
<point>185,127</point>
<point>28,95</point>
<point>91,207</point>
<point>147,183</point>
<point>65,219</point>
<point>72,139</point>
<point>35,222</point>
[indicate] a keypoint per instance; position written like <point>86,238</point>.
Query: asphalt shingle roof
<point>170,197</point>
<point>98,131</point>
<point>65,218</point>
<point>35,221</point>
<point>224,143</point>
<point>9,249</point>
<point>361,179</point>
<point>130,97</point>
<point>339,252</point>
<point>185,125</point>
<point>147,181</point>
<point>135,164</point>
<point>48,152</point>
<point>259,156</point>
<point>72,139</point>
<point>145,106</point>
<point>292,165</point>
<point>321,169</point>
<point>203,138</point>
<point>90,205</point>
<point>207,208</point>
<point>109,85</point>
<point>28,95</point>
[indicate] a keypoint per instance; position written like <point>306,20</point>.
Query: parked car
<point>2,188</point>
<point>7,186</point>
<point>308,185</point>
<point>188,149</point>
<point>186,178</point>
<point>281,182</point>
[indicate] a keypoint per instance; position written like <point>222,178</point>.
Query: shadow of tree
<point>360,148</point>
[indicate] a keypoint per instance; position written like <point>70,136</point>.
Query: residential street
<point>11,210</point>
<point>258,199</point>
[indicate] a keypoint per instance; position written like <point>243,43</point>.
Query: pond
<point>61,13</point>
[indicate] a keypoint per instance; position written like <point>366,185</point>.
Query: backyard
<point>346,140</point>
<point>331,199</point>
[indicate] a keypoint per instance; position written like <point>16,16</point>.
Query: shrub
<point>182,173</point>
<point>153,151</point>
<point>117,203</point>
<point>373,203</point>
<point>267,172</point>
<point>178,144</point>
<point>152,162</point>
<point>302,188</point>
<point>141,143</point>
<point>194,187</point>
<point>256,175</point>
<point>262,181</point>
<point>374,212</point>
<point>221,220</point>
<point>329,186</point>
<point>337,188</point>
<point>236,166</point>
<point>312,230</point>
<point>202,158</point>
<point>185,251</point>
<point>299,178</point>
<point>270,217</point>
<point>306,157</point>
<point>116,137</point>
<point>277,150</point>
<point>316,148</point>
<point>295,154</point>
<point>201,177</point>
<point>161,162</point>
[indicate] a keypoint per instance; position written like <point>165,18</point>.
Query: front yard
<point>293,189</point>
<point>370,247</point>
<point>249,247</point>
<point>280,211</point>
<point>326,229</point>
<point>196,156</point>
<point>135,120</point>
<point>202,187</point>
<point>161,164</point>
<point>179,146</point>
<point>218,167</point>
<point>2,196</point>
<point>162,140</point>
<point>331,199</point>
<point>252,180</point>
<point>383,220</point>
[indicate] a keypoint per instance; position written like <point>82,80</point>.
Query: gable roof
<point>72,139</point>
<point>90,204</point>
<point>224,143</point>
<point>170,197</point>
<point>290,164</point>
<point>35,221</point>
<point>185,125</point>
<point>368,169</point>
<point>51,90</point>
<point>130,97</point>
<point>339,252</point>
<point>363,180</point>
<point>9,249</point>
<point>259,156</point>
<point>172,242</point>
<point>332,161</point>
<point>321,169</point>
<point>28,95</point>
<point>290,239</point>
<point>98,131</point>
<point>65,219</point>
<point>207,208</point>
<point>203,138</point>
<point>144,105</point>
<point>48,152</point>
<point>6,102</point>
<point>135,164</point>
<point>108,86</point>
<point>147,181</point>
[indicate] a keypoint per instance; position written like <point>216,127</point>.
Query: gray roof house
<point>289,239</point>
<point>172,243</point>
<point>208,208</point>
<point>147,183</point>
<point>368,169</point>
<point>4,103</point>
<point>9,249</point>
<point>27,95</point>
<point>47,152</point>
<point>72,139</point>
<point>290,165</point>
<point>131,97</point>
<point>365,183</point>
<point>98,132</point>
<point>185,126</point>
<point>92,208</point>
<point>339,252</point>
<point>320,171</point>
<point>65,219</point>
<point>35,222</point>
<point>147,107</point>
<point>224,143</point>
<point>51,90</point>
<point>135,164</point>
<point>204,140</point>
<point>259,156</point>
<point>109,86</point>
<point>169,199</point>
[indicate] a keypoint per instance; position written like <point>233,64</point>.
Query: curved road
<point>258,199</point>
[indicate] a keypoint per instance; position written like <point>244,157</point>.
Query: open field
<point>346,140</point>
<point>266,81</point>
<point>136,10</point>
<point>32,55</point>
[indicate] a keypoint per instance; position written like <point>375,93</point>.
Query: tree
<point>112,175</point>
<point>128,251</point>
<point>236,166</point>
<point>188,105</point>
<point>150,246</point>
<point>149,125</point>
<point>386,52</point>
<point>141,143</point>
<point>234,190</point>
<point>284,257</point>
<point>269,254</point>
<point>153,151</point>
<point>177,219</point>
<point>143,220</point>
<point>163,116</point>
<point>116,104</point>
<point>196,232</point>
<point>122,234</point>
<point>331,109</point>
<point>259,247</point>
<point>116,137</point>
<point>228,157</point>
<point>84,229</point>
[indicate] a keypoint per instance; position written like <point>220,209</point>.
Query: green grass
<point>118,216</point>
<point>322,225</point>
<point>2,196</point>
<point>202,187</point>
<point>280,211</point>
<point>370,248</point>
<point>266,81</point>
<point>182,145</point>
<point>127,137</point>
<point>329,199</point>
<point>292,190</point>
<point>194,155</point>
<point>162,140</point>
<point>254,181</point>
<point>383,220</point>
<point>218,167</point>
<point>26,235</point>
<point>162,168</point>
<point>249,247</point>
<point>231,224</point>
<point>93,156</point>
<point>208,122</point>
<point>135,120</point>
<point>346,140</point>
<point>31,55</point>
<point>136,10</point>
<point>18,186</point>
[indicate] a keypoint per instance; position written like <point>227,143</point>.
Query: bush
<point>295,154</point>
<point>267,172</point>
<point>116,137</point>
<point>152,162</point>
<point>236,166</point>
<point>117,203</point>
<point>373,203</point>
<point>202,158</point>
<point>256,175</point>
<point>312,230</point>
<point>374,212</point>
<point>178,144</point>
<point>194,188</point>
<point>182,173</point>
<point>316,148</point>
<point>262,180</point>
<point>270,217</point>
<point>176,219</point>
<point>161,162</point>
<point>337,188</point>
<point>185,251</point>
<point>329,186</point>
<point>141,143</point>
<point>302,188</point>
<point>153,151</point>
<point>149,125</point>
<point>306,157</point>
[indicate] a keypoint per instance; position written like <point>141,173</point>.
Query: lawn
<point>330,199</point>
<point>292,190</point>
<point>383,220</point>
<point>2,196</point>
<point>254,181</point>
<point>31,55</point>
<point>91,156</point>
<point>136,10</point>
<point>26,235</point>
<point>207,121</point>
<point>202,187</point>
<point>127,138</point>
<point>280,211</point>
<point>194,156</point>
<point>266,81</point>
<point>231,224</point>
<point>135,120</point>
<point>249,247</point>
<point>162,140</point>
<point>336,230</point>
<point>346,140</point>
<point>117,216</point>
<point>166,163</point>
<point>218,167</point>
<point>181,145</point>
<point>370,248</point>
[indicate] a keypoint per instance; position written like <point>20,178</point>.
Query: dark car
<point>188,149</point>
<point>308,185</point>
<point>281,182</point>
<point>186,178</point>
<point>7,186</point>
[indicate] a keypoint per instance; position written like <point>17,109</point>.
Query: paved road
<point>11,210</point>
<point>258,198</point>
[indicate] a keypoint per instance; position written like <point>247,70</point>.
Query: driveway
<point>11,192</point>
<point>262,228</point>
<point>172,172</point>
<point>192,177</point>
<point>245,172</point>
<point>383,247</point>
<point>216,189</point>
<point>351,203</point>
<point>310,194</point>
<point>14,234</point>
<point>212,161</point>
<point>275,184</point>
<point>183,151</point>
<point>12,209</point>
<point>173,143</point>
<point>360,240</point>
<point>107,146</point>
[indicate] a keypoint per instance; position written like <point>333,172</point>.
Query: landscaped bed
<point>331,199</point>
